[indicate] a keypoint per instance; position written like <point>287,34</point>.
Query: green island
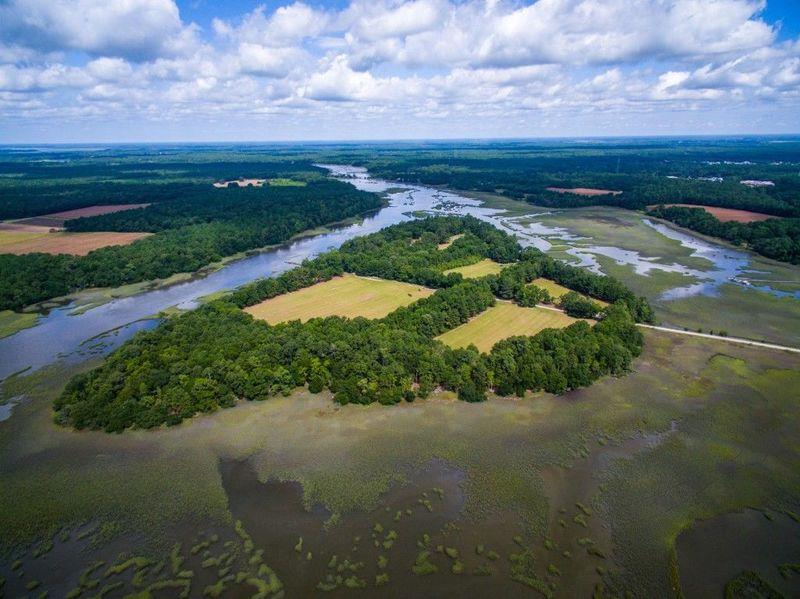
<point>154,378</point>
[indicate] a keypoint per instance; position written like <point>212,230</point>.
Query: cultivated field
<point>347,296</point>
<point>57,219</point>
<point>78,244</point>
<point>502,321</point>
<point>479,269</point>
<point>584,191</point>
<point>724,214</point>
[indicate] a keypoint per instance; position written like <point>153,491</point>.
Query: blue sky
<point>200,70</point>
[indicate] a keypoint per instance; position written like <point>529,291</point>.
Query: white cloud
<point>137,29</point>
<point>393,61</point>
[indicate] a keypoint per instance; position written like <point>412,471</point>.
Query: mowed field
<point>479,269</point>
<point>78,244</point>
<point>502,321</point>
<point>723,214</point>
<point>584,191</point>
<point>556,291</point>
<point>347,296</point>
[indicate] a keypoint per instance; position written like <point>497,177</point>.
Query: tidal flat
<point>561,494</point>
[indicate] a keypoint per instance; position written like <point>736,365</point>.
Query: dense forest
<point>31,186</point>
<point>216,355</point>
<point>776,238</point>
<point>196,232</point>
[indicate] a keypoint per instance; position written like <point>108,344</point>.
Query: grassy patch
<point>479,269</point>
<point>284,182</point>
<point>502,321</point>
<point>347,296</point>
<point>12,322</point>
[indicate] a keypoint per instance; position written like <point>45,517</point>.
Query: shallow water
<point>714,551</point>
<point>61,335</point>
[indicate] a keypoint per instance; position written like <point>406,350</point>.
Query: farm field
<point>502,321</point>
<point>724,214</point>
<point>77,244</point>
<point>349,296</point>
<point>479,269</point>
<point>556,291</point>
<point>57,219</point>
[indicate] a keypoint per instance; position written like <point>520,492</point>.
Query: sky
<point>201,70</point>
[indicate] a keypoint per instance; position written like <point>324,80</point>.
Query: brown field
<point>78,244</point>
<point>57,219</point>
<point>584,191</point>
<point>724,214</point>
<point>347,296</point>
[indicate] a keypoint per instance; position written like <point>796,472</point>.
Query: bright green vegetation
<point>12,322</point>
<point>216,355</point>
<point>348,296</point>
<point>284,182</point>
<point>502,321</point>
<point>191,232</point>
<point>478,270</point>
<point>776,238</point>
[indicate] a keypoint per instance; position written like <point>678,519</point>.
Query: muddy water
<point>274,515</point>
<point>714,551</point>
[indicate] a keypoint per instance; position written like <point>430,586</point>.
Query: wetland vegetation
<point>562,482</point>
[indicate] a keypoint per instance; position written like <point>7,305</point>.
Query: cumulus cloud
<point>137,29</point>
<point>392,60</point>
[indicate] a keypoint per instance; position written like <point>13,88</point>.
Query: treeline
<point>59,182</point>
<point>214,356</point>
<point>224,204</point>
<point>642,179</point>
<point>276,217</point>
<point>776,238</point>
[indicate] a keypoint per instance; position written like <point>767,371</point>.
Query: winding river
<point>62,334</point>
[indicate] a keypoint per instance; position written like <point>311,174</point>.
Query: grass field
<point>78,244</point>
<point>13,238</point>
<point>479,269</point>
<point>284,182</point>
<point>556,291</point>
<point>502,321</point>
<point>348,296</point>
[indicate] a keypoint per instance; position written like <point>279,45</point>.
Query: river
<point>62,334</point>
